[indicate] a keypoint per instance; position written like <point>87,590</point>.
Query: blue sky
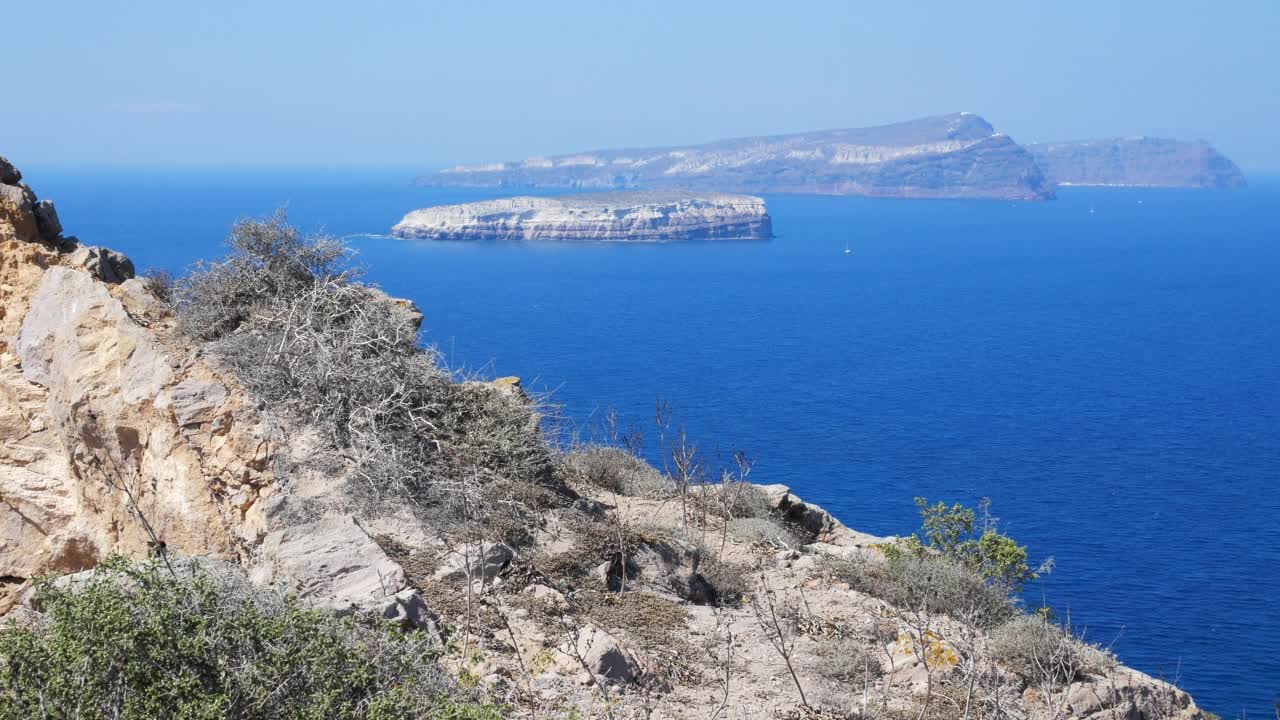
<point>431,83</point>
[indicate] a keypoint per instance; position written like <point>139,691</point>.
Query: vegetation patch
<point>1045,654</point>
<point>287,314</point>
<point>195,640</point>
<point>616,470</point>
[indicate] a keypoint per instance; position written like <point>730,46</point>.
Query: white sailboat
<point>847,251</point>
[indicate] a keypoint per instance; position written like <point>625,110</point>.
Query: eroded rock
<point>331,561</point>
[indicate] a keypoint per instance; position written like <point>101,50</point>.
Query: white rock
<point>331,561</point>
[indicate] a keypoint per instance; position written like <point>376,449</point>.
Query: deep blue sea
<point>1111,380</point>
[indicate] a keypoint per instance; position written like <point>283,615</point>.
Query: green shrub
<point>1044,653</point>
<point>952,533</point>
<point>133,641</point>
<point>617,470</point>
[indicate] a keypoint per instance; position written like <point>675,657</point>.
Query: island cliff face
<point>1137,162</point>
<point>660,216</point>
<point>948,156</point>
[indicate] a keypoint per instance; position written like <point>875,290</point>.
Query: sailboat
<point>847,251</point>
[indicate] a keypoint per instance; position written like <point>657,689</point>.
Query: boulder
<point>476,561</point>
<point>106,265</point>
<point>810,518</point>
<point>16,216</point>
<point>47,223</point>
<point>331,561</point>
<point>1126,693</point>
<point>548,595</point>
<point>9,175</point>
<point>603,656</point>
<point>407,608</point>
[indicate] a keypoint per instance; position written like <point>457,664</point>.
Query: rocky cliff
<point>610,589</point>
<point>1137,162</point>
<point>595,217</point>
<point>105,420</point>
<point>949,156</point>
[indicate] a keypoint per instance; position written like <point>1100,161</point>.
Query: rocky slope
<point>595,217</point>
<point>1137,162</point>
<point>624,597</point>
<point>949,156</point>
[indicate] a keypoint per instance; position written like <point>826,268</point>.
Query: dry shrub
<point>766,531</point>
<point>1045,654</point>
<point>848,661</point>
<point>928,586</point>
<point>616,470</point>
<point>286,314</point>
<point>732,500</point>
<point>730,581</point>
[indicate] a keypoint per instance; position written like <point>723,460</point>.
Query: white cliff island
<point>659,216</point>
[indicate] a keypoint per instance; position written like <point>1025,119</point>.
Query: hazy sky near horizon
<point>425,84</point>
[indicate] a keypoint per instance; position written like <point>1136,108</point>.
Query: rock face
<point>1137,162</point>
<point>104,420</point>
<point>595,217</point>
<point>948,156</point>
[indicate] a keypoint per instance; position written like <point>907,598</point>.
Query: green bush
<point>952,533</point>
<point>134,641</point>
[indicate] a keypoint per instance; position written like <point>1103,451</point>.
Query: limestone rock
<point>331,561</point>
<point>1126,693</point>
<point>106,265</point>
<point>196,401</point>
<point>17,217</point>
<point>603,655</point>
<point>595,217</point>
<point>407,608</point>
<point>85,412</point>
<point>475,561</point>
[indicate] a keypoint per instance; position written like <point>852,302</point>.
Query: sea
<point>1105,367</point>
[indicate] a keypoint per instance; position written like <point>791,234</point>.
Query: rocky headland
<point>1137,162</point>
<point>272,416</point>
<point>948,156</point>
<point>595,217</point>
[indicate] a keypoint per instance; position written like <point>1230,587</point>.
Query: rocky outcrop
<point>1137,162</point>
<point>595,217</point>
<point>116,438</point>
<point>948,156</point>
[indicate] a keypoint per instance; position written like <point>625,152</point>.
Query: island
<point>1137,162</point>
<point>654,216</point>
<point>948,156</point>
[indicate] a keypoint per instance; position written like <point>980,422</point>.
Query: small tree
<point>955,533</point>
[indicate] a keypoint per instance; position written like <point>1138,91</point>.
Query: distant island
<point>948,156</point>
<point>1137,162</point>
<point>655,216</point>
